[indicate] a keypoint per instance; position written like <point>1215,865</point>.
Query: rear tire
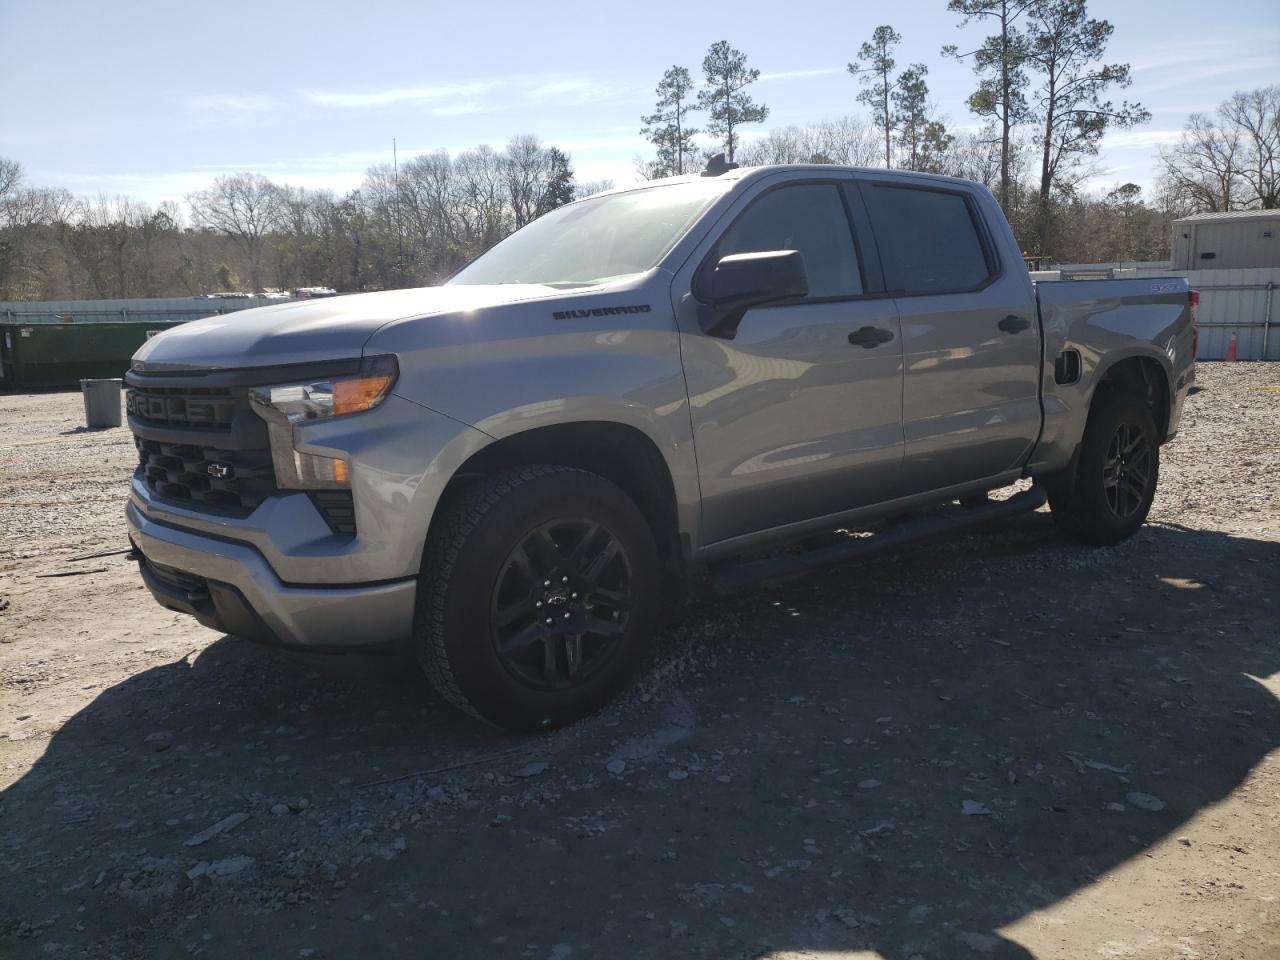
<point>539,594</point>
<point>1109,496</point>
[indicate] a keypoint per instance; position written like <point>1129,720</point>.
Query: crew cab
<point>514,476</point>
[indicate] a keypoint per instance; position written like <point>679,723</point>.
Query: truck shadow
<point>903,757</point>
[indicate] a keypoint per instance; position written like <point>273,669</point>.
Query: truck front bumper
<point>229,586</point>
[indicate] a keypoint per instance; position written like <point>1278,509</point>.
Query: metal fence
<point>1244,310</point>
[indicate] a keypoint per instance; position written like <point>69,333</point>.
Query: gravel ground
<point>1003,746</point>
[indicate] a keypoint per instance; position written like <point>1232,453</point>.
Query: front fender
<point>586,373</point>
<point>401,457</point>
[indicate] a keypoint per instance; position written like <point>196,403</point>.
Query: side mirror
<point>743,280</point>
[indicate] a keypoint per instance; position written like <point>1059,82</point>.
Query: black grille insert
<point>200,444</point>
<point>233,480</point>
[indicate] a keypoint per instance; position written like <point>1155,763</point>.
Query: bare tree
<point>10,177</point>
<point>28,207</point>
<point>245,207</point>
<point>1201,171</point>
<point>303,243</point>
<point>648,169</point>
<point>974,155</point>
<point>590,188</point>
<point>1256,115</point>
<point>27,216</point>
<point>528,175</point>
<point>481,182</point>
<point>104,238</point>
<point>847,141</point>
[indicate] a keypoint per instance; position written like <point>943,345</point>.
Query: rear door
<point>970,338</point>
<point>799,415</point>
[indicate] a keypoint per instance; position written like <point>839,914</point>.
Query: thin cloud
<point>1172,53</point>
<point>230,109</point>
<point>1247,68</point>
<point>574,91</point>
<point>460,109</point>
<point>602,143</point>
<point>480,96</point>
<point>799,74</point>
<point>382,98</point>
<point>1141,138</point>
<point>566,88</point>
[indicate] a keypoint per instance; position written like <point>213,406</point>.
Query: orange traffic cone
<point>1231,348</point>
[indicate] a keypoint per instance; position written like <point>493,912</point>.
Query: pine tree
<point>1064,49</point>
<point>998,62</point>
<point>560,187</point>
<point>921,136</point>
<point>724,94</point>
<point>874,66</point>
<point>667,127</point>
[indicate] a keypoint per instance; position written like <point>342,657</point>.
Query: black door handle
<point>868,337</point>
<point>1014,324</point>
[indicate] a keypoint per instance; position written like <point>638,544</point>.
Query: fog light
<point>315,472</point>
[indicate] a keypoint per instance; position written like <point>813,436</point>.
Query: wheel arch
<point>1147,377</point>
<point>619,452</point>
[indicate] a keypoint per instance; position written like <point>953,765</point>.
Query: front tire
<point>1110,495</point>
<point>539,594</point>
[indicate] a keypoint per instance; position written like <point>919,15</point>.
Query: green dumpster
<point>50,355</point>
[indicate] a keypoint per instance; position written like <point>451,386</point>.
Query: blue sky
<point>153,99</point>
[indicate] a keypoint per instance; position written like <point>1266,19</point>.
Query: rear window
<point>929,241</point>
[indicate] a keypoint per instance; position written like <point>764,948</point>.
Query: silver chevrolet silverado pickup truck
<point>706,380</point>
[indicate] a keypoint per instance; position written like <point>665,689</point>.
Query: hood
<point>305,331</point>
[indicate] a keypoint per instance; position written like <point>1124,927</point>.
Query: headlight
<point>334,396</point>
<point>287,404</point>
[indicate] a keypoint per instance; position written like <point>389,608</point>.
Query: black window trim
<point>866,237</point>
<point>710,259</point>
<point>995,266</point>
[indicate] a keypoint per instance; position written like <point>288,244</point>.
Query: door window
<point>809,218</point>
<point>928,240</point>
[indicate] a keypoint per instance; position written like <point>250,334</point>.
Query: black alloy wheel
<point>540,592</point>
<point>1106,496</point>
<point>561,604</point>
<point>1126,472</point>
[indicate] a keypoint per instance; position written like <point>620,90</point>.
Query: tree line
<point>409,224</point>
<point>1044,95</point>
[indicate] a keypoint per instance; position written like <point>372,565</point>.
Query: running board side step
<point>730,576</point>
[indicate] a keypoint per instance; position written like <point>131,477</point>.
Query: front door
<point>970,336</point>
<point>798,416</point>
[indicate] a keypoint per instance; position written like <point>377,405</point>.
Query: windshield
<point>595,240</point>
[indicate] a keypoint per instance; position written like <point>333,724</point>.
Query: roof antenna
<point>717,165</point>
